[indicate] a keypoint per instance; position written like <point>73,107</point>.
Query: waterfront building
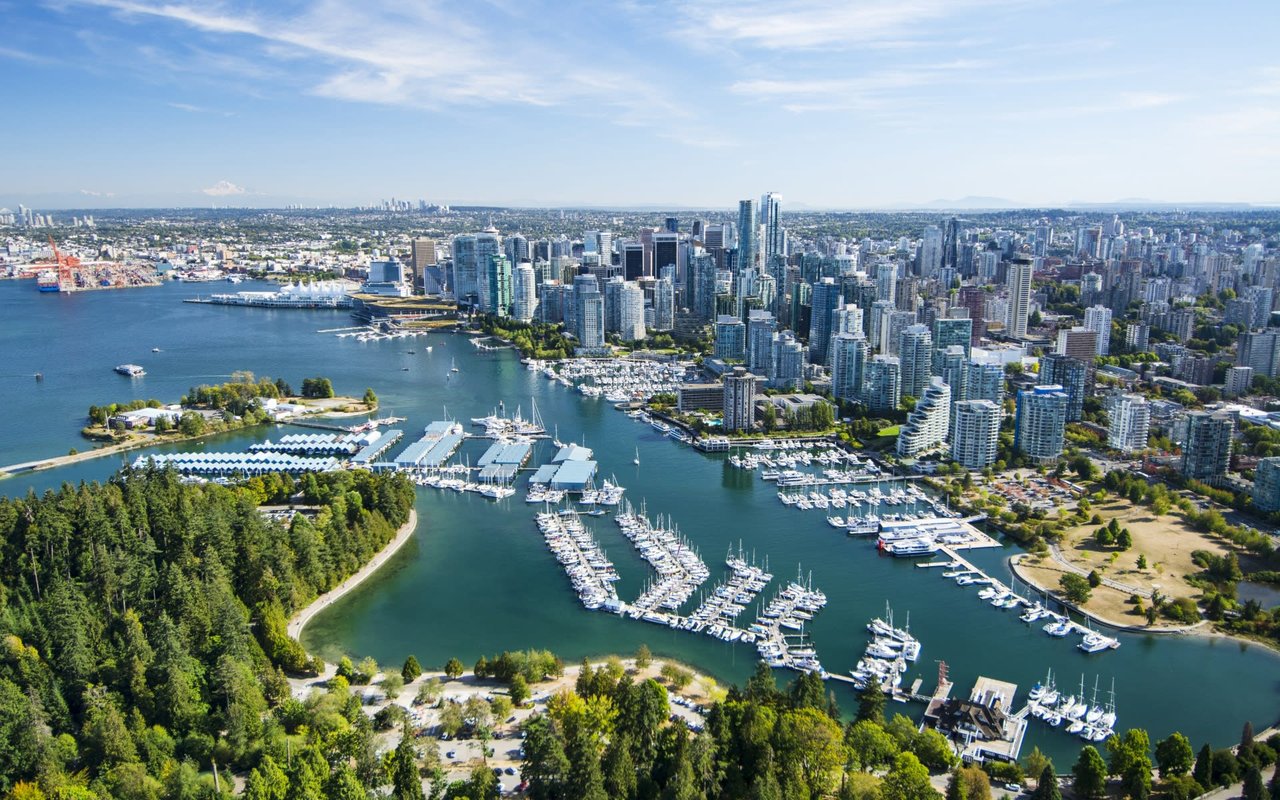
<point>825,299</point>
<point>882,378</point>
<point>700,397</point>
<point>1098,320</point>
<point>1040,422</point>
<point>487,245</point>
<point>632,312</point>
<point>975,433</point>
<point>524,293</point>
<point>498,299</point>
<point>928,425</point>
<point>848,365</point>
<point>915,352</point>
<point>984,382</point>
<point>1070,373</point>
<point>1206,453</point>
<point>761,327</point>
<point>1129,421</point>
<point>1018,282</point>
<point>788,362</point>
<point>739,400</point>
<point>1239,381</point>
<point>730,341</point>
<point>664,304</point>
<point>1266,485</point>
<point>588,311</point>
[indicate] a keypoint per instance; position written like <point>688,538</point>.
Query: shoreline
<point>303,616</point>
<point>1204,629</point>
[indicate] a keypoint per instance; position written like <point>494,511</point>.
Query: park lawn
<point>1166,541</point>
<point>892,430</point>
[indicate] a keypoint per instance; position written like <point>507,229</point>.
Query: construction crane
<point>66,279</point>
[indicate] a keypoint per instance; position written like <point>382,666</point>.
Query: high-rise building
<point>953,330</point>
<point>975,433</point>
<point>632,312</point>
<point>788,362</point>
<point>1266,485</point>
<point>424,254</point>
<point>517,248</point>
<point>1069,373</point>
<point>1239,381</point>
<point>664,305</point>
<point>952,366</point>
<point>1137,337</point>
<point>1081,344</point>
<point>666,252</point>
<point>632,260</point>
<point>848,365</point>
<point>1129,421</point>
<point>1098,320</point>
<point>466,279</point>
<point>915,351</point>
<point>1206,453</point>
<point>748,240</point>
<point>825,299</point>
<point>881,387</point>
<point>731,338</point>
<point>930,254</point>
<point>588,311</point>
<point>892,324</point>
<point>985,382</point>
<point>880,309</point>
<point>498,283</point>
<point>771,222</point>
<point>1040,422</point>
<point>887,281</point>
<point>761,326</point>
<point>488,245</point>
<point>524,293</point>
<point>739,400</point>
<point>1018,282</point>
<point>1260,350</point>
<point>928,425</point>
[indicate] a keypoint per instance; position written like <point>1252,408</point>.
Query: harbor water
<point>478,578</point>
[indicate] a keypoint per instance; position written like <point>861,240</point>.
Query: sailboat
<point>453,365</point>
<point>636,460</point>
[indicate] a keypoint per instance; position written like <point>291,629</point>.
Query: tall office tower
<point>1260,350</point>
<point>466,280</point>
<point>985,382</point>
<point>632,312</point>
<point>788,362</point>
<point>1018,283</point>
<point>771,221</point>
<point>915,351</point>
<point>1081,344</point>
<point>424,254</point>
<point>632,260</point>
<point>671,225</point>
<point>880,310</point>
<point>761,326</point>
<point>1041,421</point>
<point>730,338</point>
<point>848,365</point>
<point>588,311</point>
<point>1098,320</point>
<point>748,239</point>
<point>1137,337</point>
<point>524,293</point>
<point>975,433</point>
<point>1129,418</point>
<point>826,297</point>
<point>516,248</point>
<point>1043,239</point>
<point>953,330</point>
<point>882,383</point>
<point>887,281</point>
<point>929,424</point>
<point>1071,374</point>
<point>498,283</point>
<point>704,286</point>
<point>664,305</point>
<point>488,245</point>
<point>1238,382</point>
<point>739,400</point>
<point>613,305</point>
<point>553,300</point>
<point>929,256</point>
<point>1206,452</point>
<point>951,244</point>
<point>952,366</point>
<point>666,252</point>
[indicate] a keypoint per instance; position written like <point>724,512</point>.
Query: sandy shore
<point>322,602</point>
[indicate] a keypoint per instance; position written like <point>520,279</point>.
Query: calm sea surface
<point>477,578</point>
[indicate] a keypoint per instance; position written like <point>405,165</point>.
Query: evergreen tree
<point>1047,785</point>
<point>406,781</point>
<point>956,789</point>
<point>411,669</point>
<point>1090,774</point>
<point>871,703</point>
<point>1253,786</point>
<point>1203,770</point>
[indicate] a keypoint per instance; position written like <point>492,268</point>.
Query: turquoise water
<point>477,578</point>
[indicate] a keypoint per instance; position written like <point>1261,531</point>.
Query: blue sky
<point>855,104</point>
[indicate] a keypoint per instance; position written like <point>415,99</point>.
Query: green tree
<point>1075,588</point>
<point>1254,789</point>
<point>453,669</point>
<point>1047,785</point>
<point>1035,763</point>
<point>519,690</point>
<point>908,780</point>
<point>1174,755</point>
<point>871,703</point>
<point>370,399</point>
<point>1089,774</point>
<point>1202,772</point>
<point>411,669</point>
<point>870,747</point>
<point>406,782</point>
<point>643,657</point>
<point>811,742</point>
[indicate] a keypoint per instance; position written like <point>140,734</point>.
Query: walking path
<point>1117,585</point>
<point>322,602</point>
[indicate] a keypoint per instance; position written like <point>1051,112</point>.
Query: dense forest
<point>143,631</point>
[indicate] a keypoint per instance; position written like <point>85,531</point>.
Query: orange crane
<point>66,264</point>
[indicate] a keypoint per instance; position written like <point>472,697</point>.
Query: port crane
<point>66,264</point>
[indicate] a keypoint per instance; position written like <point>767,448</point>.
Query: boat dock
<point>375,448</point>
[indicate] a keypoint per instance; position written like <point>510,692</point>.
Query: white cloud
<point>91,193</point>
<point>223,188</point>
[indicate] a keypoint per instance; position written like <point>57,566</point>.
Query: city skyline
<point>929,104</point>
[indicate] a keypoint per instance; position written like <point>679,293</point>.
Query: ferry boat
<point>910,548</point>
<point>131,370</point>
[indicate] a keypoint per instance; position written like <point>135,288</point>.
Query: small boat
<point>636,460</point>
<point>155,349</point>
<point>453,365</point>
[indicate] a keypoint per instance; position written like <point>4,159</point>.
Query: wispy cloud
<point>22,55</point>
<point>92,193</point>
<point>191,108</point>
<point>224,188</point>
